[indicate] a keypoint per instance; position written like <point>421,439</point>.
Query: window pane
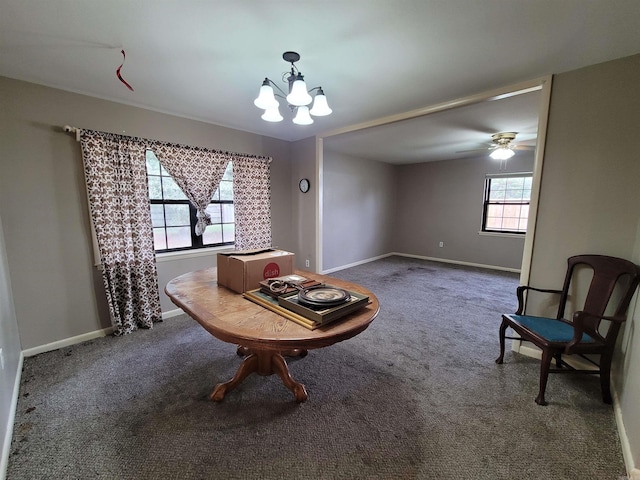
<point>512,210</point>
<point>228,215</point>
<point>153,165</point>
<point>213,234</point>
<point>523,225</point>
<point>228,173</point>
<point>214,210</point>
<point>178,237</point>
<point>513,194</point>
<point>515,183</point>
<point>177,215</point>
<point>498,183</point>
<point>229,232</point>
<point>171,190</point>
<point>510,223</point>
<point>527,182</point>
<point>495,210</point>
<point>496,194</point>
<point>157,215</point>
<point>159,240</point>
<point>155,188</point>
<point>226,190</point>
<point>494,223</point>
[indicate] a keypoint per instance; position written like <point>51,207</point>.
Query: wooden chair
<point>581,336</point>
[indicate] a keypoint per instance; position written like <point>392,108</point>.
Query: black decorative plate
<point>323,296</point>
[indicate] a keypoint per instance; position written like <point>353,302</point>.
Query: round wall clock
<point>304,185</point>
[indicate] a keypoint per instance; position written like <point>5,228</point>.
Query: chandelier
<point>298,98</point>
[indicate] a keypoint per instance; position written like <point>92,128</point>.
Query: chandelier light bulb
<point>272,115</point>
<point>266,98</point>
<point>502,153</point>
<point>320,106</point>
<point>302,116</point>
<point>299,95</point>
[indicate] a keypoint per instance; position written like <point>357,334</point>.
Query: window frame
<point>487,202</point>
<point>196,240</point>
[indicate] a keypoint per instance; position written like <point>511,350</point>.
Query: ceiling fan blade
<point>475,150</point>
<point>523,147</point>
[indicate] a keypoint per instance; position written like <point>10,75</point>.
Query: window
<point>174,218</point>
<point>506,203</point>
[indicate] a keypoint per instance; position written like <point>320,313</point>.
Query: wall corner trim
<point>6,445</point>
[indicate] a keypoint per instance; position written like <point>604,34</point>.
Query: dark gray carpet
<point>416,396</point>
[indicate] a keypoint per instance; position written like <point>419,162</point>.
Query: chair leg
<point>605,377</point>
<point>558,357</point>
<point>545,364</point>
<point>503,330</point>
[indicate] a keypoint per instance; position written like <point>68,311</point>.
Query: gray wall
<point>57,292</point>
<point>373,208</point>
<point>10,345</point>
<point>303,205</point>
<point>359,208</point>
<point>442,202</point>
<point>590,194</point>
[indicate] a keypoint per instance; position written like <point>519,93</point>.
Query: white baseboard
<point>6,446</point>
<point>633,472</point>
<point>66,342</point>
<point>172,313</point>
<point>456,262</point>
<point>420,257</point>
<point>355,264</point>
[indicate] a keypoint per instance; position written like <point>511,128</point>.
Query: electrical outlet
<point>441,244</point>
<point>306,263</point>
<point>1,359</point>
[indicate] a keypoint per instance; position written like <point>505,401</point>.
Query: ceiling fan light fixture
<point>502,153</point>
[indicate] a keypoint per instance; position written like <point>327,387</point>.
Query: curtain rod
<point>70,129</point>
<point>76,130</point>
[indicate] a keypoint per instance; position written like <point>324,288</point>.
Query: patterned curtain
<point>115,172</point>
<point>252,201</point>
<point>197,172</point>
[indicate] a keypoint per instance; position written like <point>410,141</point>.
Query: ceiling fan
<point>503,146</point>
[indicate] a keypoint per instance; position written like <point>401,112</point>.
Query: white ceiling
<point>206,60</point>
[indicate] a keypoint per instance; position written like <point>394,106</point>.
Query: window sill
<point>499,234</point>
<point>184,254</point>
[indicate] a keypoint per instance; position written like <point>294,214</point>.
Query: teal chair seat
<point>549,328</point>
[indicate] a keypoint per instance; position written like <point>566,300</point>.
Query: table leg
<point>263,363</point>
<point>280,367</point>
<point>247,367</point>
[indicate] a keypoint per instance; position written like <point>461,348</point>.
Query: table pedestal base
<point>263,363</point>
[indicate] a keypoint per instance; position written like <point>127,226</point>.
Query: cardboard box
<point>243,270</point>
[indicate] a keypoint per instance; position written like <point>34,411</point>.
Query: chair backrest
<point>607,273</point>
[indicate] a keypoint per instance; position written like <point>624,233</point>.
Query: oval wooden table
<point>263,335</point>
